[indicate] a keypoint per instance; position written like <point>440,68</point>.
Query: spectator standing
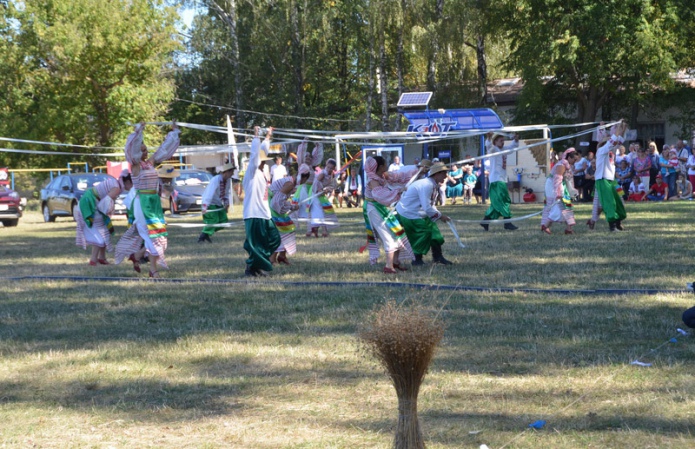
<point>669,167</point>
<point>641,165</point>
<point>682,152</point>
<point>396,164</point>
<point>589,181</point>
<point>620,155</point>
<point>579,171</point>
<point>653,153</point>
<point>454,185</point>
<point>277,171</point>
<point>690,165</point>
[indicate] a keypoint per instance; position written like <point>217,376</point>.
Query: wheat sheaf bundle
<point>404,340</point>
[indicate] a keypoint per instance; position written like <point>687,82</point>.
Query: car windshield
<point>193,179</point>
<point>88,181</point>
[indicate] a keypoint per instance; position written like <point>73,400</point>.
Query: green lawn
<point>276,363</point>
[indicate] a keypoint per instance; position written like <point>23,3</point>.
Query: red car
<point>10,208</point>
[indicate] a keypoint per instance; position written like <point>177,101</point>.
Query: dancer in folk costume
<point>320,208</point>
<point>418,215</point>
<point>216,202</point>
<point>607,199</point>
<point>384,189</point>
<point>499,193</point>
<point>262,237</point>
<point>93,218</point>
<point>280,197</point>
<point>559,191</point>
<point>149,225</point>
<point>304,191</point>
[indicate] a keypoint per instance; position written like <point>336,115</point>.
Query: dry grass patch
<point>275,364</point>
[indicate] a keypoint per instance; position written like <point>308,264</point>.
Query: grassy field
<point>276,363</point>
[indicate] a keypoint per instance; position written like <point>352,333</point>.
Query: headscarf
<point>121,178</point>
<point>277,185</point>
<point>370,169</point>
<point>103,188</point>
<point>567,152</point>
<point>303,170</point>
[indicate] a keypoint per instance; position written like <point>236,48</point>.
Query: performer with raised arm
<point>610,200</point>
<point>149,225</point>
<point>559,191</point>
<point>262,237</point>
<point>499,194</point>
<point>93,218</point>
<point>380,222</point>
<point>216,202</point>
<point>418,215</point>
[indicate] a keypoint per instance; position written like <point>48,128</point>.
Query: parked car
<point>10,206</point>
<point>60,197</point>
<point>119,207</point>
<point>186,189</point>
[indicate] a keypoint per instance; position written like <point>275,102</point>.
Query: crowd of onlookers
<point>643,174</point>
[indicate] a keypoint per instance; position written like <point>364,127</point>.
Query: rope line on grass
<point>414,285</point>
<point>435,287</point>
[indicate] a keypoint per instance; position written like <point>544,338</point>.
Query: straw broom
<point>404,340</point>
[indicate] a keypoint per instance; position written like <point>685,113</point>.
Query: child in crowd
<point>469,180</point>
<point>636,191</point>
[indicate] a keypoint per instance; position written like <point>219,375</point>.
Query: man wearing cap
<point>659,191</point>
<point>605,184</point>
<point>499,194</point>
<point>262,237</point>
<point>216,201</point>
<point>418,216</point>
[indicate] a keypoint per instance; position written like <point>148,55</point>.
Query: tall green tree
<point>79,70</point>
<point>591,51</point>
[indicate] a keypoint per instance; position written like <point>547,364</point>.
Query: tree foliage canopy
<point>78,70</point>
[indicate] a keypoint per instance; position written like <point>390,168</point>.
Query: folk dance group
<point>559,187</point>
<point>399,206</point>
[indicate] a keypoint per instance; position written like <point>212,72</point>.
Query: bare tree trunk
<point>297,61</point>
<point>383,85</point>
<point>400,62</point>
<point>482,68</point>
<point>371,84</point>
<point>432,63</point>
<point>227,12</point>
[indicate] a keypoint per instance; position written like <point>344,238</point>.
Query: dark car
<point>119,207</point>
<point>186,189</point>
<point>10,206</point>
<point>60,197</point>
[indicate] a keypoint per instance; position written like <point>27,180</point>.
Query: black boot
<point>204,238</point>
<point>437,256</point>
<point>485,225</point>
<point>418,260</point>
<point>612,226</point>
<point>510,227</point>
<point>619,225</point>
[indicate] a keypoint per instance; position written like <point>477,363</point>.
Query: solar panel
<point>414,99</point>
